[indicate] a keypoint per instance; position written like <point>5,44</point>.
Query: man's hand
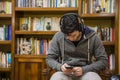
<point>65,70</point>
<point>77,71</point>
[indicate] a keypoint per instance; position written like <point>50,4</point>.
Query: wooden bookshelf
<point>5,44</point>
<point>103,19</point>
<point>23,66</point>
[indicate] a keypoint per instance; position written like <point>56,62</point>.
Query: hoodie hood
<point>88,32</point>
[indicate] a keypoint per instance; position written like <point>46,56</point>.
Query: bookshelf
<point>5,39</point>
<point>35,64</point>
<point>104,19</point>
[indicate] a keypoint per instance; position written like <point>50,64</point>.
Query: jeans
<point>87,76</point>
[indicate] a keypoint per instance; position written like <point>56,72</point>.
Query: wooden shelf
<point>35,32</point>
<point>108,43</point>
<point>5,15</point>
<point>4,68</point>
<point>46,9</point>
<point>101,15</point>
<point>30,56</point>
<point>5,42</point>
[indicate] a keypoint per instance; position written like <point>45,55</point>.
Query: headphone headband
<point>80,27</point>
<point>75,14</point>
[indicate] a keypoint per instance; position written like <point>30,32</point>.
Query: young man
<point>71,51</point>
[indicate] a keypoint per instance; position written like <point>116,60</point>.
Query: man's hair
<point>69,23</point>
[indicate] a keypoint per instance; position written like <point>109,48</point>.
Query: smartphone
<point>68,67</point>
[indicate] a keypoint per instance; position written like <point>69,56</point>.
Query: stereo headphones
<point>80,26</point>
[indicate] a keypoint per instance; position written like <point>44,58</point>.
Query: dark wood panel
<point>29,69</point>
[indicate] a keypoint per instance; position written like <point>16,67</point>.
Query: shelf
<point>101,15</point>
<point>5,15</point>
<point>35,32</point>
<point>5,42</point>
<point>30,56</point>
<point>46,9</point>
<point>4,68</point>
<point>108,43</point>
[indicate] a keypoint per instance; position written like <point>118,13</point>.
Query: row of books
<point>105,33</point>
<point>5,59</point>
<point>6,7</point>
<point>6,32</point>
<point>111,62</point>
<point>39,24</point>
<point>32,46</point>
<point>5,76</point>
<point>35,46</point>
<point>111,57</point>
<point>47,3</point>
<point>98,6</point>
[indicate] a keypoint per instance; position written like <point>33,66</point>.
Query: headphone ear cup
<point>81,27</point>
<point>61,24</point>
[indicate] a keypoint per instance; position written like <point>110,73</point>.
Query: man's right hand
<point>65,70</point>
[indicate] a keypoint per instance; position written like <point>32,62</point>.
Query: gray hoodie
<point>64,51</point>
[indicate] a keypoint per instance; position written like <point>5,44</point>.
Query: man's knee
<point>91,76</point>
<point>59,76</point>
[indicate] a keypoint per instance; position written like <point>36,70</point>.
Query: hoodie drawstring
<point>63,49</point>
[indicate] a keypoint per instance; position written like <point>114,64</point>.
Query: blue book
<point>10,32</point>
<point>41,46</point>
<point>7,32</point>
<point>9,58</point>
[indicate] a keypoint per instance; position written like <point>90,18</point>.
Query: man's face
<point>74,36</point>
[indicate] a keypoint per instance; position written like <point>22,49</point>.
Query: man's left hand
<point>77,71</point>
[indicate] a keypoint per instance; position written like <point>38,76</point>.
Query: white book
<point>112,62</point>
<point>10,8</point>
<point>3,58</point>
<point>73,3</point>
<point>42,23</point>
<point>37,24</point>
<point>45,2</point>
<point>55,24</point>
<point>2,33</point>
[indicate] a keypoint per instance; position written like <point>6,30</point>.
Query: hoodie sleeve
<point>100,55</point>
<point>53,54</point>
